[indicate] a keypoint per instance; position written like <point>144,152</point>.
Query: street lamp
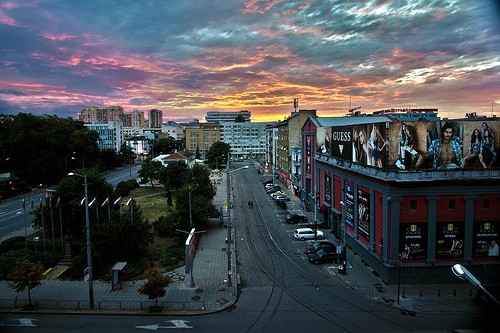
<point>228,192</point>
<point>87,237</point>
<point>344,243</point>
<point>461,272</point>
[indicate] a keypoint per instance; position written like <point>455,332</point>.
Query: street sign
<point>86,274</point>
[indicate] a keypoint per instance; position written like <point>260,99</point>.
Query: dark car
<point>296,218</point>
<point>322,256</point>
<point>267,181</point>
<point>273,189</point>
<point>321,245</point>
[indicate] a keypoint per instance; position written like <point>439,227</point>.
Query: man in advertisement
<point>444,152</point>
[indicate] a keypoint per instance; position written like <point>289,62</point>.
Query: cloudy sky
<point>187,57</point>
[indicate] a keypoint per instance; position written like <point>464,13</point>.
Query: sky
<point>187,57</point>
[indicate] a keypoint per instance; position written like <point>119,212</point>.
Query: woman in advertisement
<point>475,149</point>
<point>360,150</point>
<point>377,144</point>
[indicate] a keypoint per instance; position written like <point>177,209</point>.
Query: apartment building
<point>110,134</point>
<point>247,140</point>
<point>201,136</point>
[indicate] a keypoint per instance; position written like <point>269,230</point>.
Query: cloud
<point>189,57</point>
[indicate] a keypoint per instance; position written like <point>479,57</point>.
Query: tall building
<point>219,116</point>
<point>155,118</point>
<point>92,114</point>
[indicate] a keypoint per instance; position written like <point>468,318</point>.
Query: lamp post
<point>228,192</point>
<point>87,237</point>
<point>461,272</point>
<point>344,244</point>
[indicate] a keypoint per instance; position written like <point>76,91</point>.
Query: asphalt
<point>209,288</point>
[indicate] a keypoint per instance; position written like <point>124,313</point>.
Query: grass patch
<point>152,201</point>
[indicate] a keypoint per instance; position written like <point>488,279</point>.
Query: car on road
<point>296,218</point>
<point>307,233</point>
<point>321,245</point>
<point>322,256</point>
<point>281,204</point>
<point>267,186</point>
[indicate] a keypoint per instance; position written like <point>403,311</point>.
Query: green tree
<point>150,171</point>
<point>155,285</point>
<point>26,275</point>
<point>218,153</point>
<point>198,189</point>
<point>172,177</point>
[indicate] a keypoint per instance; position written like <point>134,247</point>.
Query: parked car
<point>267,186</point>
<point>296,218</point>
<point>267,181</point>
<point>321,245</point>
<point>307,233</point>
<point>277,193</point>
<point>273,189</point>
<point>322,256</point>
<point>281,197</point>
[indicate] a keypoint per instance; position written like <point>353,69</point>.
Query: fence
<point>76,305</point>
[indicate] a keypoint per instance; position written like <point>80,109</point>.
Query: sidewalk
<point>211,292</point>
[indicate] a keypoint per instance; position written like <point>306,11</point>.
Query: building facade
<point>400,200</point>
<point>110,134</point>
<point>247,140</point>
<point>201,136</point>
<point>219,116</point>
<point>155,118</point>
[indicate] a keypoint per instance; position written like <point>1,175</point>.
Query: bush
<point>165,226</point>
<point>172,255</point>
<point>124,188</point>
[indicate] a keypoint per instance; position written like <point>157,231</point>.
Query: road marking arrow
<point>25,322</point>
<point>177,324</point>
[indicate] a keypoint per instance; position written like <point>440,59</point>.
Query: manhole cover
<point>199,290</point>
<point>195,298</point>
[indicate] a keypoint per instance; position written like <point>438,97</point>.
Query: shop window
<point>413,205</point>
<point>451,204</point>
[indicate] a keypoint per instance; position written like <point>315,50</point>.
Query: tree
<point>150,171</point>
<point>27,275</point>
<point>172,177</point>
<point>155,285</point>
<point>218,153</point>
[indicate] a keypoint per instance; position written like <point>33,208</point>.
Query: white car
<point>277,193</point>
<point>307,233</point>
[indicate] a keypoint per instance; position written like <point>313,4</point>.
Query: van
<point>307,233</point>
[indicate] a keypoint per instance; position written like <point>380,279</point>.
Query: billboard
<point>413,241</point>
<point>364,213</point>
<point>450,240</point>
<point>485,242</point>
<point>415,145</point>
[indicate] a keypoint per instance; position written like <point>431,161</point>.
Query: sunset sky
<point>189,57</point>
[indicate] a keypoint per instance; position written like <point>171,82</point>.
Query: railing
<point>76,305</point>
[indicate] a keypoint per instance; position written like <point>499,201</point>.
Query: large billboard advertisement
<point>485,243</point>
<point>450,240</point>
<point>415,145</point>
<point>413,241</point>
<point>364,213</point>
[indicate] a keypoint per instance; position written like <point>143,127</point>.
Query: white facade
<point>247,140</point>
<point>110,134</point>
<point>173,130</point>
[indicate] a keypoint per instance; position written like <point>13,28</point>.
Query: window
<point>486,203</point>
<point>451,204</point>
<point>413,205</point>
